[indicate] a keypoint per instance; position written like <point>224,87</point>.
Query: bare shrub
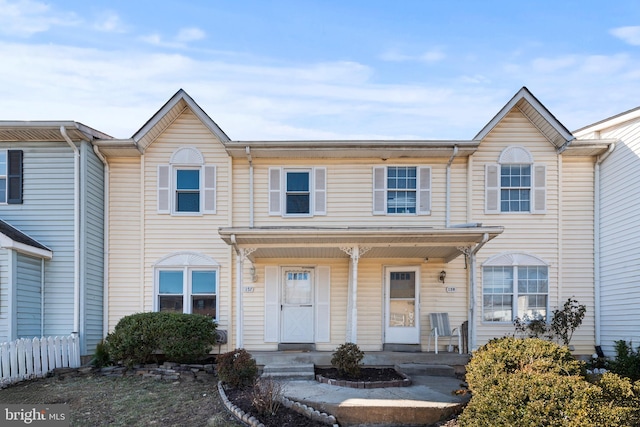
<point>266,396</point>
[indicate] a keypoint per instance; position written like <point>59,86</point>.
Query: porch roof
<point>382,242</point>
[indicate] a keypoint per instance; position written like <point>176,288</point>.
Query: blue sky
<point>331,69</point>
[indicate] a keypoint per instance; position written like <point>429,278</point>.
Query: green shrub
<point>508,355</point>
<point>534,382</point>
<point>347,359</point>
<point>237,369</point>
<point>140,338</point>
<point>545,399</point>
<point>101,356</point>
<point>626,362</point>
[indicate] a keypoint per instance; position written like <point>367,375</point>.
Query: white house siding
<point>577,257</point>
<point>125,239</point>
<point>535,234</point>
<point>92,250</point>
<point>46,215</point>
<point>620,237</point>
<point>164,234</point>
<point>28,296</point>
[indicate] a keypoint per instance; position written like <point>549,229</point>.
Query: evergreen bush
<point>237,368</point>
<point>140,338</point>
<point>347,359</point>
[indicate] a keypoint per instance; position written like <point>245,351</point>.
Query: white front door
<point>402,317</point>
<point>297,305</point>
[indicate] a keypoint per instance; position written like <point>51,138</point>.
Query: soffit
<point>47,131</point>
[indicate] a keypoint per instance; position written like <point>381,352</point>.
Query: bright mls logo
<point>35,415</point>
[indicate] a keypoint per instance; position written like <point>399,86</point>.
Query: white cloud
<point>109,22</point>
<point>433,55</point>
<point>186,35</point>
<point>630,35</point>
<point>25,18</point>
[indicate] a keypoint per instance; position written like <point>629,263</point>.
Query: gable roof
<point>615,120</point>
<point>168,113</point>
<point>12,238</point>
<point>537,113</point>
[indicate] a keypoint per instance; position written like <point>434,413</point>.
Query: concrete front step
<point>291,372</point>
<point>426,369</point>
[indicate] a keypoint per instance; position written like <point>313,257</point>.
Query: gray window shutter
<point>539,197</point>
<point>424,191</point>
<point>14,177</point>
<point>320,191</point>
<point>492,189</point>
<point>323,297</point>
<point>209,191</point>
<point>379,191</point>
<point>164,193</point>
<point>275,179</point>
<point>271,304</point>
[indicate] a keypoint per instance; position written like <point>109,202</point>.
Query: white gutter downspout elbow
<point>250,160</point>
<point>76,232</point>
<point>596,242</point>
<point>105,273</point>
<point>472,291</point>
<point>239,309</point>
<point>447,220</point>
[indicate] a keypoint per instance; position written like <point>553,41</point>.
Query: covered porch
<point>355,245</point>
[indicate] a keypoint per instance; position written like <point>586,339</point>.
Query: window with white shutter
<point>401,190</point>
<point>298,192</point>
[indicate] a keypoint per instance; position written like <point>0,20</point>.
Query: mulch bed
<point>283,418</point>
<point>366,374</point>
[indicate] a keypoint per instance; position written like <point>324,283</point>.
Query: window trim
<point>277,194</point>
<point>186,262</point>
<point>423,190</point>
<point>286,192</point>
<point>514,261</point>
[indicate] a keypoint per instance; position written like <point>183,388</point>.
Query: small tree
<point>566,320</point>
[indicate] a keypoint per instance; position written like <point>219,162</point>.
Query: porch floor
<point>428,400</point>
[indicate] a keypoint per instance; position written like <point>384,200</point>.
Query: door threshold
<point>405,348</point>
<point>296,347</point>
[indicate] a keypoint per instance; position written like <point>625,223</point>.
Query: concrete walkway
<point>428,400</point>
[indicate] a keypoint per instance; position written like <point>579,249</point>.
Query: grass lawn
<point>127,401</point>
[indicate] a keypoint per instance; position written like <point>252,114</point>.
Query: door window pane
<point>297,288</point>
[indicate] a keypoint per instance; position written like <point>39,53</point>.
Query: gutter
<point>250,160</point>
<point>105,271</point>
<point>472,291</point>
<point>596,242</point>
<point>76,230</point>
<point>448,187</point>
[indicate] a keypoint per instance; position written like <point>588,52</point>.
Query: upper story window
<point>515,285</point>
<point>187,282</point>
<point>186,185</point>
<point>298,192</point>
<point>515,183</point>
<point>11,176</point>
<point>401,190</point>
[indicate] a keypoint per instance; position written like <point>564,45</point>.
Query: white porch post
<point>470,253</point>
<point>354,252</point>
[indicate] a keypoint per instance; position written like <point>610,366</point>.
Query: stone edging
<point>252,421</point>
<point>404,382</point>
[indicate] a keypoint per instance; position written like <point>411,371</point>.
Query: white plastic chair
<point>440,327</point>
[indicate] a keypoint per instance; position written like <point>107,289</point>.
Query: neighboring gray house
<point>51,231</point>
<point>617,230</point>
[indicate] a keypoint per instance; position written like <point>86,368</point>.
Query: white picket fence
<point>26,358</point>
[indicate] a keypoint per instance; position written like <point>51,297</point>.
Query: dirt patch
<point>127,401</point>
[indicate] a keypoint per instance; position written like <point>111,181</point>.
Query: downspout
<point>41,297</point>
<point>76,227</point>
<point>472,291</point>
<point>447,219</point>
<point>239,309</point>
<point>250,160</point>
<point>105,239</point>
<point>596,241</point>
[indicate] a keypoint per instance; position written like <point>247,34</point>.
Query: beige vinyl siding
<point>166,234</point>
<point>577,245</point>
<point>349,193</point>
<point>535,234</point>
<point>125,239</point>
